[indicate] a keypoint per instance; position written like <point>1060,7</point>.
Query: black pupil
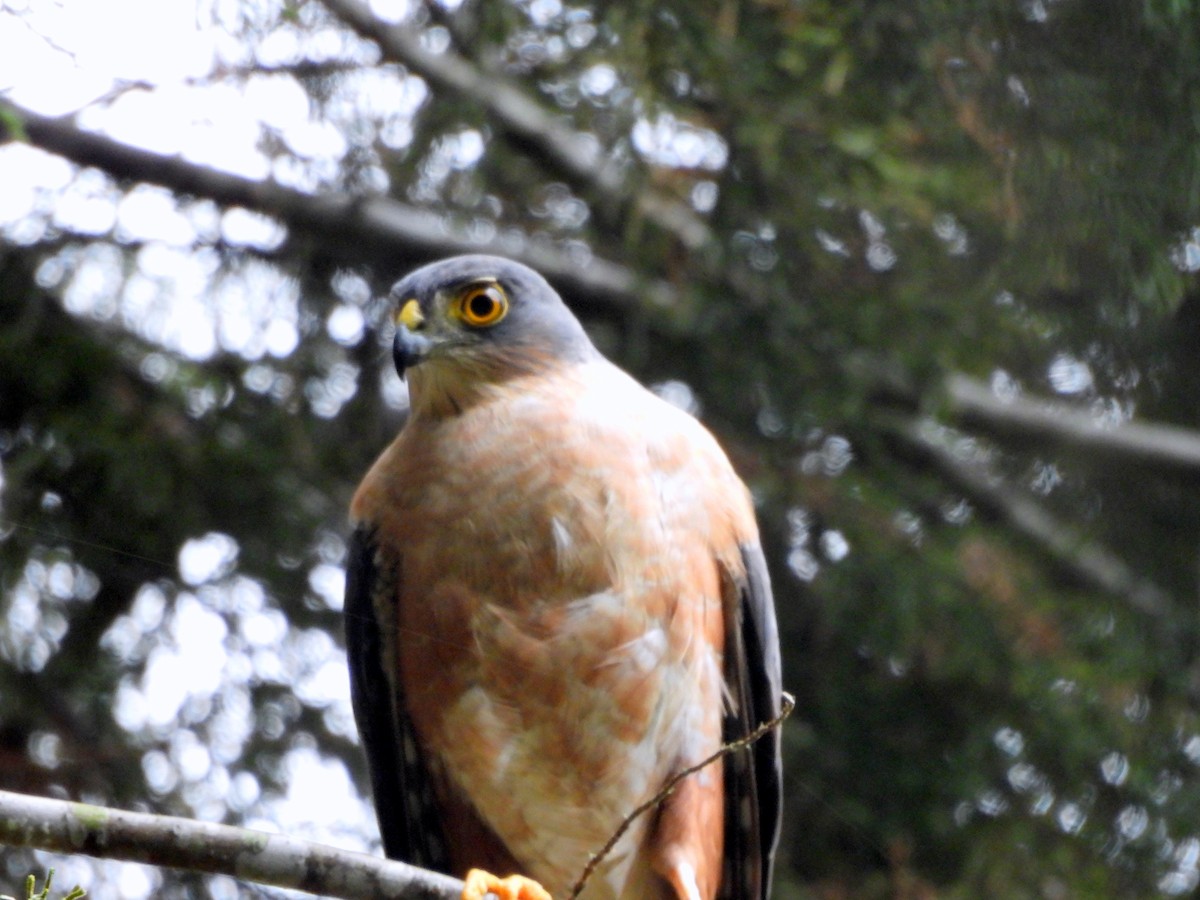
<point>482,305</point>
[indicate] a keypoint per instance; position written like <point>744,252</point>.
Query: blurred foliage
<point>896,191</point>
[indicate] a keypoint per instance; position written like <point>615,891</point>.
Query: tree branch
<point>1164,448</point>
<point>1037,424</point>
<point>1085,561</point>
<point>363,229</point>
<point>271,859</point>
<point>527,124</point>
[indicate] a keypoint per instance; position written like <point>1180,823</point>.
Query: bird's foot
<point>515,887</point>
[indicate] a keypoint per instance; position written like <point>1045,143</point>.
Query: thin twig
<point>786,702</point>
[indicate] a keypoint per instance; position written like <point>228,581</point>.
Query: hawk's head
<point>471,320</point>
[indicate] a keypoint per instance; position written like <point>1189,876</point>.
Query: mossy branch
<point>271,859</point>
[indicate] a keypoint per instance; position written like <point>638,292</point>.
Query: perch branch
<point>271,859</point>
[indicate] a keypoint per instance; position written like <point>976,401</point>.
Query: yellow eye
<point>482,305</point>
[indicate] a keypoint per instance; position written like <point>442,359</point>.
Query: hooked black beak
<point>409,347</point>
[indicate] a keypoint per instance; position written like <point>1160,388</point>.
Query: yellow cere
<point>410,315</point>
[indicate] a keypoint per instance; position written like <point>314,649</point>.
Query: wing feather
<point>403,793</point>
<point>753,776</point>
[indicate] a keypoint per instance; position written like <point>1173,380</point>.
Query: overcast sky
<point>135,67</point>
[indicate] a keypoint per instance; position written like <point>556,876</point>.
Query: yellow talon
<point>515,887</point>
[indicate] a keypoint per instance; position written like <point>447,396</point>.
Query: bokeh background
<point>927,268</point>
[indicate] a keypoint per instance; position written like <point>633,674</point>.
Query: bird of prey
<point>556,599</point>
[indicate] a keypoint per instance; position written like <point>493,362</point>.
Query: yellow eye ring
<point>482,305</point>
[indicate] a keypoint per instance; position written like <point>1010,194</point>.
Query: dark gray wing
<point>403,794</point>
<point>753,776</point>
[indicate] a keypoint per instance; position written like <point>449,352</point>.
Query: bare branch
<point>360,229</point>
<point>271,859</point>
<point>524,120</point>
<point>1038,424</point>
<point>1164,448</point>
<point>1087,562</point>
